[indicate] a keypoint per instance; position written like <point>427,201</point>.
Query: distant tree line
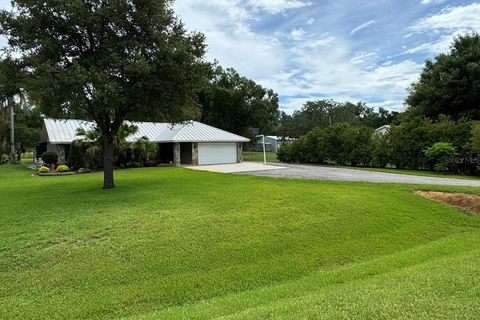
<point>324,113</point>
<point>407,145</point>
<point>440,129</point>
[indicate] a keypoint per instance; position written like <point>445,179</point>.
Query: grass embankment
<point>258,156</point>
<point>175,243</point>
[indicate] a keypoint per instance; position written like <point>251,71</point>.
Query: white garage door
<point>217,153</point>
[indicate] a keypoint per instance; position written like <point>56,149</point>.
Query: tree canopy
<point>450,84</point>
<point>108,61</point>
<point>324,113</point>
<point>236,104</point>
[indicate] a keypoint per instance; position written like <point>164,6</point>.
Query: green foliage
<point>323,113</point>
<point>450,84</point>
<point>11,78</point>
<point>286,154</point>
<point>143,150</point>
<point>474,144</point>
<point>63,168</point>
<point>25,138</point>
<point>108,62</point>
<point>439,153</point>
<point>408,142</point>
<point>410,139</point>
<point>380,150</point>
<point>404,146</point>
<point>50,157</point>
<point>76,155</point>
<point>91,143</point>
<point>235,103</point>
<point>43,169</point>
<point>28,124</point>
<point>340,144</point>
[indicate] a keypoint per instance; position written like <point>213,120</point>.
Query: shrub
<point>379,150</point>
<point>340,143</point>
<point>439,153</point>
<point>284,153</point>
<point>134,165</point>
<point>43,169</point>
<point>63,168</point>
<point>76,156</point>
<point>50,157</point>
<point>143,149</point>
<point>151,163</point>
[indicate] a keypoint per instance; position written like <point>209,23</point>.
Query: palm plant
<point>92,141</point>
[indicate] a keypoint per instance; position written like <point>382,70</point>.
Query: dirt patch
<point>465,201</point>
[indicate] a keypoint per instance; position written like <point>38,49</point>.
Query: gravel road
<point>293,171</point>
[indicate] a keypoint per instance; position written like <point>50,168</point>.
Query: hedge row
<point>417,143</point>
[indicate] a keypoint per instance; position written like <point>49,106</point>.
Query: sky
<point>347,50</point>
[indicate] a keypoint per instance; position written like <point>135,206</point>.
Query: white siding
<point>217,153</point>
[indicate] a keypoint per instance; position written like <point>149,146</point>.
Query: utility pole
<point>264,149</point>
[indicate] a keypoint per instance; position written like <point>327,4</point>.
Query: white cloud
<point>300,64</point>
<point>297,34</point>
<point>362,26</point>
<point>432,1</point>
<point>229,37</point>
<point>448,23</point>
<point>363,57</point>
<point>277,6</point>
<point>451,18</point>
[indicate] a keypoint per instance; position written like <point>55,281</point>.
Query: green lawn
<point>258,156</point>
<point>170,243</point>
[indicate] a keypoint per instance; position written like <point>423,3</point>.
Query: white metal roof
<point>383,129</point>
<point>278,138</point>
<point>65,131</point>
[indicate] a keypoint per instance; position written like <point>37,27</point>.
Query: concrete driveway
<point>293,171</point>
<point>236,167</point>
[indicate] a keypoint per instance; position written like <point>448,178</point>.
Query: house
<point>272,143</point>
<point>190,142</point>
<point>383,129</point>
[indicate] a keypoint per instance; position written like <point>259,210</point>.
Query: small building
<point>191,142</point>
<point>272,143</point>
<point>383,129</point>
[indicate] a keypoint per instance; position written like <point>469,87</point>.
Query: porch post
<point>195,154</point>
<point>176,154</point>
<point>239,152</point>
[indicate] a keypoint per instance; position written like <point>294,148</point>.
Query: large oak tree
<point>236,103</point>
<point>450,84</point>
<point>108,61</point>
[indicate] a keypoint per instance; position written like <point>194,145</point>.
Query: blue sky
<point>357,50</point>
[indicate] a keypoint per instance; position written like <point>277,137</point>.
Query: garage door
<point>217,153</point>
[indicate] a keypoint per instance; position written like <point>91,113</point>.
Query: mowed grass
<point>170,243</point>
<point>258,156</point>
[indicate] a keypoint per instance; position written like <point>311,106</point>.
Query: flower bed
<point>42,174</point>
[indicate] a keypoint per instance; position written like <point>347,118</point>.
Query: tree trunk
<point>108,180</point>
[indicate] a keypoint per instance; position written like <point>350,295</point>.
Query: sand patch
<point>465,201</point>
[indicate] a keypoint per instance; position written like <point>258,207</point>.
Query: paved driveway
<point>341,174</point>
<point>236,167</point>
